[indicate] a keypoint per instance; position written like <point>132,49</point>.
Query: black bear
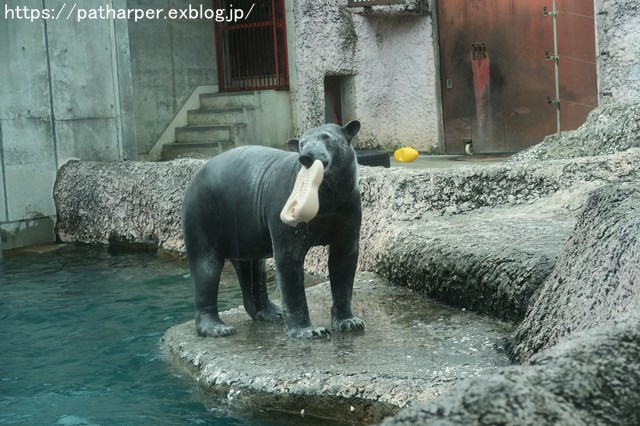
<point>232,210</point>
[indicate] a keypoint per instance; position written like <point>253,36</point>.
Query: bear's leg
<point>294,302</point>
<point>343,259</point>
<point>205,274</point>
<point>252,275</point>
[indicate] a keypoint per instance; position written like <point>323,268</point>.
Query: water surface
<point>80,330</point>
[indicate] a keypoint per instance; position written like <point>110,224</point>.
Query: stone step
<point>228,100</point>
<point>194,134</point>
<point>173,150</point>
<point>218,116</point>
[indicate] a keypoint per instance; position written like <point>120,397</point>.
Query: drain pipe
<point>555,58</point>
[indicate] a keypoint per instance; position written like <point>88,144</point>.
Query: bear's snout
<point>308,159</point>
<point>312,151</point>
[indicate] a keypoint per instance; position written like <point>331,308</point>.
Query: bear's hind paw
<point>271,313</point>
<point>349,324</point>
<point>212,326</point>
<point>310,333</point>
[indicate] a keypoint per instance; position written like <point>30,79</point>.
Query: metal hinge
<point>550,57</point>
<point>553,101</point>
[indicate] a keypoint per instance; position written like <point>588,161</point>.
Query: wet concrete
<point>413,350</point>
<point>427,161</point>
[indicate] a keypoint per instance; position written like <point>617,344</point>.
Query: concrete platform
<point>425,161</point>
<point>413,350</point>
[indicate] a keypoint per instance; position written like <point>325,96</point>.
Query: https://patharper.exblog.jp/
<point>77,13</point>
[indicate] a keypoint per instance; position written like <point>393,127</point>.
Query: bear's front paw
<point>208,325</point>
<point>271,313</point>
<point>310,333</point>
<point>349,324</point>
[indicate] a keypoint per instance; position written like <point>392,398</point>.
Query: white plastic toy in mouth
<point>303,203</point>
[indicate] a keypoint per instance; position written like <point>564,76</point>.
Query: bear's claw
<point>310,333</point>
<point>208,325</point>
<point>349,324</point>
<point>271,313</point>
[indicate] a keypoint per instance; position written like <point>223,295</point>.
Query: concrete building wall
<point>169,59</point>
<point>618,50</point>
<point>391,57</point>
<point>80,90</point>
<point>60,98</point>
<point>389,53</point>
<point>395,84</point>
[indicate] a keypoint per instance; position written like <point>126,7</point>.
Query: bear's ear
<point>351,129</point>
<point>294,145</point>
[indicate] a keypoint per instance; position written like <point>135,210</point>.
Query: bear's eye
<point>300,145</point>
<point>326,137</point>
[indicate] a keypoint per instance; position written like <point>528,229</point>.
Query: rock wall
<point>478,238</point>
<point>579,340</point>
<point>483,238</point>
<point>132,203</point>
<point>610,128</point>
<point>618,50</point>
<point>581,335</point>
<point>597,278</point>
<point>592,378</point>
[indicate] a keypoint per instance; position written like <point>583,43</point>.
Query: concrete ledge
<point>490,261</point>
<point>413,350</point>
<point>580,338</point>
<point>129,202</point>
<point>23,233</point>
<point>591,378</point>
<point>478,237</point>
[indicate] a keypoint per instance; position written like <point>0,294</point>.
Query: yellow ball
<point>405,154</point>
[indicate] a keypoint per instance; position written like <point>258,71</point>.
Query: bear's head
<point>329,143</point>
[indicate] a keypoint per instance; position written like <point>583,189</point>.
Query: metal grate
<point>252,53</point>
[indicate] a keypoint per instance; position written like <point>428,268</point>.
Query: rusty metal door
<point>496,78</point>
<point>251,53</point>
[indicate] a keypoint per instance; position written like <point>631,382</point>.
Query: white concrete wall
<point>395,82</point>
<point>60,98</point>
<point>618,50</point>
<point>270,123</point>
<point>169,59</point>
<point>391,56</point>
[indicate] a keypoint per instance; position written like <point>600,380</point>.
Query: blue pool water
<point>79,341</point>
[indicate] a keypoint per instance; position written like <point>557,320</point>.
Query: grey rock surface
<point>608,129</point>
<point>483,238</point>
<point>133,203</point>
<point>477,237</point>
<point>591,378</point>
<point>490,261</point>
<point>413,350</point>
<point>596,279</point>
<point>580,339</point>
<point>618,51</point>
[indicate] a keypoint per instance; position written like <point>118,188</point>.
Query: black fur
<point>231,210</point>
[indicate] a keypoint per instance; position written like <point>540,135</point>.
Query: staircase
<point>218,125</point>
